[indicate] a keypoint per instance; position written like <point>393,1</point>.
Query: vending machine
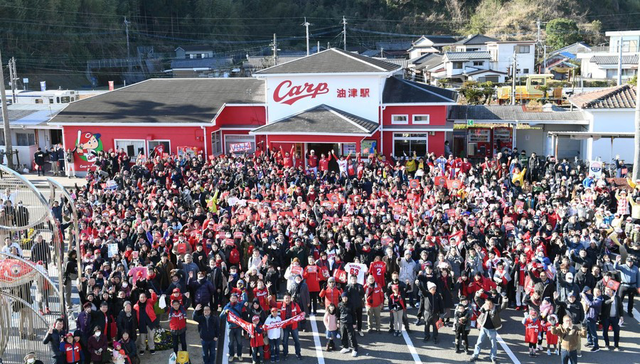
<point>479,142</point>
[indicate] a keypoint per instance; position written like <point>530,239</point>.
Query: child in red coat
<point>533,329</point>
<point>256,340</point>
<point>552,321</point>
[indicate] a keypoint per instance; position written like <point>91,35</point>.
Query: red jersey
<point>288,161</point>
<point>374,296</point>
<point>312,160</point>
<point>324,163</point>
<point>261,295</point>
<point>551,338</point>
<point>531,330</point>
<point>378,270</point>
<point>312,275</point>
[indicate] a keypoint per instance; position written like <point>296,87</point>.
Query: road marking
<point>412,349</point>
<point>506,349</point>
<point>636,315</point>
<point>225,348</point>
<point>316,339</point>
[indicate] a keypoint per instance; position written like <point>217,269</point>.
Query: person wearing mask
<point>208,326</point>
<point>289,309</point>
<point>53,338</point>
<point>593,306</point>
<point>630,281</point>
<point>489,323</point>
<point>235,332</point>
<point>408,269</point>
<point>147,321</point>
<point>331,293</point>
<point>97,346</point>
<point>31,358</point>
<point>347,326</point>
<point>611,315</point>
<point>356,297</point>
<point>274,334</point>
<point>374,299</point>
<point>571,335</point>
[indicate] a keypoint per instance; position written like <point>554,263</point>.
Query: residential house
<point>473,43</point>
<point>563,61</point>
<point>194,52</point>
<point>430,44</point>
<point>202,67</point>
<point>601,63</point>
<point>502,53</point>
<point>610,113</point>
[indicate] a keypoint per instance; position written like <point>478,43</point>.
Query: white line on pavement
<point>506,349</point>
<point>225,347</point>
<point>316,339</point>
<point>636,315</point>
<point>412,348</point>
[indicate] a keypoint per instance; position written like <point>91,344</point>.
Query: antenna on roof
<point>306,25</point>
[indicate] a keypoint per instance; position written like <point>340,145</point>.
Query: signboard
<point>595,168</point>
<point>348,148</point>
<point>479,135</point>
<point>111,86</point>
<point>366,147</point>
<point>112,250</point>
<point>470,122</point>
<point>239,147</point>
<point>192,151</point>
<point>292,94</point>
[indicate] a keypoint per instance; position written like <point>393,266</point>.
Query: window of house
<point>229,140</point>
<point>66,99</point>
<point>153,144</point>
<point>131,147</point>
<point>473,49</point>
<point>409,143</point>
<point>399,119</point>
<point>526,70</point>
<point>216,143</point>
<point>523,49</point>
<point>457,65</point>
<point>25,139</point>
<point>420,119</point>
<point>192,56</point>
<point>478,63</point>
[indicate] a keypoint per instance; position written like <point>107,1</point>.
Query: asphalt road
<point>384,348</point>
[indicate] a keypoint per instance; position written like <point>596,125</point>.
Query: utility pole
<point>13,75</point>
<point>636,159</point>
<point>306,25</point>
<point>275,49</point>
<point>620,62</point>
<point>8,147</point>
<point>344,32</point>
<point>126,29</point>
<point>538,40</point>
<point>381,52</point>
<point>544,58</point>
<point>514,69</point>
<point>318,50</point>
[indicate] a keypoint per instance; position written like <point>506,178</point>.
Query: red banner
<point>239,147</point>
<point>231,317</point>
<point>281,324</point>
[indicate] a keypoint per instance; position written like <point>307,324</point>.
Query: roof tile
<point>618,97</point>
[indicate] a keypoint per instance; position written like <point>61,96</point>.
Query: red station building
<point>331,100</point>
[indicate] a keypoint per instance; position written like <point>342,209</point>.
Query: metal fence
<point>31,261</point>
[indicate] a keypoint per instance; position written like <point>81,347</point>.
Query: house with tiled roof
<point>601,63</point>
<point>610,110</point>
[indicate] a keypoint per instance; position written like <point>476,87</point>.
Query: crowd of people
<point>261,242</point>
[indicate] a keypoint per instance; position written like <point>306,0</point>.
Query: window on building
<point>39,101</point>
<point>478,63</point>
<point>192,56</point>
<point>399,119</point>
<point>523,49</point>
<point>473,49</point>
<point>153,144</point>
<point>420,119</point>
<point>229,140</point>
<point>216,143</point>
<point>65,99</point>
<point>629,46</point>
<point>131,147</point>
<point>409,143</point>
<point>457,65</point>
<point>25,139</point>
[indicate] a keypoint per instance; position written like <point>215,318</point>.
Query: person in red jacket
<point>532,331</point>
<point>289,309</point>
<point>312,162</point>
<point>72,350</point>
<point>374,298</point>
<point>256,340</point>
<point>311,275</point>
<point>288,157</point>
<point>331,293</point>
<point>178,325</point>
<point>147,321</point>
<point>323,164</point>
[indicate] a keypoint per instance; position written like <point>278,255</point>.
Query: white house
<point>610,110</point>
<point>473,43</point>
<point>430,44</point>
<point>502,53</point>
<point>194,52</point>
<point>601,63</point>
<point>467,66</point>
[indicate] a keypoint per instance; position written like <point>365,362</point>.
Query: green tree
<point>562,32</point>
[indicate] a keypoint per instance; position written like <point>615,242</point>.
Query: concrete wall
<point>611,120</point>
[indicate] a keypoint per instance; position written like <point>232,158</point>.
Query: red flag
<point>281,324</point>
<point>231,317</point>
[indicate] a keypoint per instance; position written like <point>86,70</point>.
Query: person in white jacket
<point>274,334</point>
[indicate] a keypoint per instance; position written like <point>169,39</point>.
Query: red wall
<point>438,114</point>
<point>242,115</point>
<point>179,136</point>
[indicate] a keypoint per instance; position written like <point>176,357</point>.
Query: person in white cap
<point>433,308</point>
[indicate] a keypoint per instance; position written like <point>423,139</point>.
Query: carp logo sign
<point>595,168</point>
<point>287,93</point>
<point>88,146</point>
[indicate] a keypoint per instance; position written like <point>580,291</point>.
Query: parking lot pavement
<point>384,348</point>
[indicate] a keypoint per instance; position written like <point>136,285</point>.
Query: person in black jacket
<point>356,297</point>
<point>208,325</point>
<point>611,314</point>
<point>38,157</point>
<point>347,326</point>
<point>402,287</point>
<point>127,321</point>
<point>433,308</point>
<point>53,338</point>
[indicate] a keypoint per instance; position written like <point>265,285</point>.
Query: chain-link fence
<point>31,260</point>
